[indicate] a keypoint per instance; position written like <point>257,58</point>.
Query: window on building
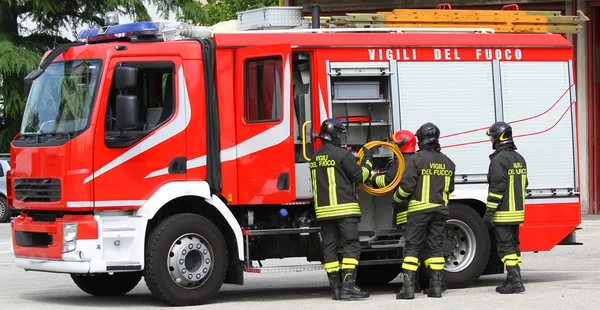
<point>263,90</point>
<point>156,98</point>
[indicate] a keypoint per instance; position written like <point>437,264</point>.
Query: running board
<point>316,267</point>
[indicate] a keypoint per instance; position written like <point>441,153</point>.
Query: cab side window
<point>156,100</point>
<point>263,98</point>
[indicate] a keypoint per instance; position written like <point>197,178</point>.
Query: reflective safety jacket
<point>507,178</point>
<point>427,181</point>
<point>334,174</point>
<point>382,180</point>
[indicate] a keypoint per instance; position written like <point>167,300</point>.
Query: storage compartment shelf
<point>366,124</point>
<point>360,101</point>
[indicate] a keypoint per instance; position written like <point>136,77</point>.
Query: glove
<point>487,219</point>
<point>368,153</point>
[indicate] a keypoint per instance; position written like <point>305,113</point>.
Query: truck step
<point>287,231</point>
<point>316,267</point>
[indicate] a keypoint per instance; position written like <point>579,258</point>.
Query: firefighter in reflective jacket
<point>427,181</point>
<point>335,174</point>
<point>407,142</point>
<point>507,178</point>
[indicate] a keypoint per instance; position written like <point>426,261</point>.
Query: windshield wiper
<point>45,136</point>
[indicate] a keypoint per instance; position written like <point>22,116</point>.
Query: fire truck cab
<point>186,160</point>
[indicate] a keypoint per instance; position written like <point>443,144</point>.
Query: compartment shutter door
<point>457,97</point>
<point>529,89</point>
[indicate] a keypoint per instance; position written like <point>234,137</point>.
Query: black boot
<point>426,290</point>
<point>514,282</point>
<point>335,283</point>
<point>349,288</point>
<point>417,286</point>
<point>408,285</point>
<point>435,284</point>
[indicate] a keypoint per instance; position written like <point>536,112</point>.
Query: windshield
<point>61,98</point>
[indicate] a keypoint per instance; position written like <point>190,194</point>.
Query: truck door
<point>264,128</point>
<point>158,141</point>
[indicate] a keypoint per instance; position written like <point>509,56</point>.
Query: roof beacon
<point>113,31</point>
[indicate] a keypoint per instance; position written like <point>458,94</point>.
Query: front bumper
<point>105,243</point>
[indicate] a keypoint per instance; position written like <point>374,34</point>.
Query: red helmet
<point>406,140</point>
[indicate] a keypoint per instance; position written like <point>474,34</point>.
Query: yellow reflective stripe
<point>496,195</point>
<point>419,205</point>
<point>511,260</point>
<point>401,217</point>
<point>397,199</point>
<point>435,263</point>
<point>365,173</point>
<point>410,263</point>
<point>523,185</point>
<point>349,263</point>
<point>425,188</point>
<point>338,210</point>
<point>380,180</point>
<point>446,189</point>
<point>332,266</point>
<point>314,184</point>
<point>511,193</point>
<point>403,193</point>
<point>332,186</point>
<point>369,163</point>
<point>492,205</point>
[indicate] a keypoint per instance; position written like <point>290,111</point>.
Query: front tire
<point>104,284</point>
<point>5,212</point>
<point>186,260</point>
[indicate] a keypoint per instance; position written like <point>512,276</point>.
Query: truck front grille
<point>37,190</point>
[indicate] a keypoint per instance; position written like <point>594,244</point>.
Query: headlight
<point>69,237</point>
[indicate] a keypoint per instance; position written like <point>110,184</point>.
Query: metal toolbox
<point>272,17</point>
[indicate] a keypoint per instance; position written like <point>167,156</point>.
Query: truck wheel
<point>467,246</point>
<point>5,212</point>
<point>377,275</point>
<point>186,260</point>
<point>104,284</point>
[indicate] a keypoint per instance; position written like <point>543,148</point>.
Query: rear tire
<point>186,260</point>
<point>104,284</point>
<point>377,275</point>
<point>466,247</point>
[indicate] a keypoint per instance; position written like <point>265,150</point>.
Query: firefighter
<point>335,174</point>
<point>507,178</point>
<point>407,142</point>
<point>426,183</point>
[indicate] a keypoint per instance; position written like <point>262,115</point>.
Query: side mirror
<point>125,77</point>
<point>127,111</point>
<point>30,78</point>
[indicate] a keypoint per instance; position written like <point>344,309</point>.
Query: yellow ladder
<point>508,20</point>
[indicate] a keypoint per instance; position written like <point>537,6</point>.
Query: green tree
<point>226,10</point>
<point>21,50</point>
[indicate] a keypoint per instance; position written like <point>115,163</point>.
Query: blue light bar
<point>118,31</point>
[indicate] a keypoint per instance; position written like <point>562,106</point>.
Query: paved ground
<point>564,278</point>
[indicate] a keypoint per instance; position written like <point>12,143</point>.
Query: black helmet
<point>500,133</point>
<point>330,128</point>
<point>427,134</point>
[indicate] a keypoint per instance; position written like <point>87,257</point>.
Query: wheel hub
<point>190,260</point>
<point>459,246</point>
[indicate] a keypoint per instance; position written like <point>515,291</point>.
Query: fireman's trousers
<point>507,243</point>
<point>344,233</point>
<point>430,227</point>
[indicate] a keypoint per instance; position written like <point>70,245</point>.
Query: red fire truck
<point>185,161</point>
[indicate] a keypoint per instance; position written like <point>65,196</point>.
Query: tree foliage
<point>226,10</point>
<point>21,50</point>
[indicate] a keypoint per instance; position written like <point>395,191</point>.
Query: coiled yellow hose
<point>400,159</point>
